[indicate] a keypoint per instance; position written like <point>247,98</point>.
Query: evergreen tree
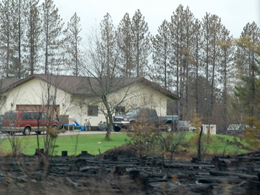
<point>188,60</point>
<point>184,29</point>
<point>211,27</point>
<point>52,36</point>
<point>108,46</point>
<point>225,69</point>
<point>141,43</point>
<point>73,44</point>
<point>5,36</point>
<point>176,29</point>
<point>162,55</point>
<point>18,12</point>
<point>246,58</point>
<point>125,43</point>
<point>33,46</point>
<point>197,61</point>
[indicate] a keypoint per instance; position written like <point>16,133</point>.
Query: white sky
<point>234,14</point>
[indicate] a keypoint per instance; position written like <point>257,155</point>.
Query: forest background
<point>214,74</point>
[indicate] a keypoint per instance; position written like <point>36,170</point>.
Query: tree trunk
<point>199,144</point>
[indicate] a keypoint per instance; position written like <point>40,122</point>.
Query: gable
<point>33,92</point>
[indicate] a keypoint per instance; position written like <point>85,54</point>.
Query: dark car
<point>139,115</point>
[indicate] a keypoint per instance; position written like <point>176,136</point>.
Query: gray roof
<point>85,86</point>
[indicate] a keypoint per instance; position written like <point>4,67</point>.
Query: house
<point>79,97</point>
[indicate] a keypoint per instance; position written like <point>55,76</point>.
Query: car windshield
<point>132,112</point>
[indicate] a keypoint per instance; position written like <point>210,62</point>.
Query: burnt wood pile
<point>119,174</point>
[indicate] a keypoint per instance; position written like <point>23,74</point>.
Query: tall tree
<point>188,60</point>
<point>125,43</point>
<point>102,69</point>
<point>73,44</point>
<point>176,30</point>
<point>183,28</point>
<point>141,42</point>
<point>34,28</point>
<point>6,36</point>
<point>52,35</point>
<point>161,43</point>
<point>225,69</point>
<point>108,45</point>
<point>211,25</point>
<point>197,61</point>
<point>17,12</point>
<point>246,57</point>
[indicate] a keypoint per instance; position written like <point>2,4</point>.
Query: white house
<point>80,97</point>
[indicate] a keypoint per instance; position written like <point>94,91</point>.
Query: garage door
<point>52,110</point>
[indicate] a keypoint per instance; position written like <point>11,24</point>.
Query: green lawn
<point>217,144</point>
<point>73,144</point>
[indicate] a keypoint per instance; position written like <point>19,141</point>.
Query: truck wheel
<point>117,129</point>
<point>27,131</point>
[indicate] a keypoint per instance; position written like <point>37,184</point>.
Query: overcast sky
<point>234,14</point>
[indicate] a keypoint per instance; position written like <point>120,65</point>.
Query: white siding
<point>34,92</point>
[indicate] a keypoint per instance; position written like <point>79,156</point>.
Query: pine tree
<point>52,36</point>
<point>184,28</point>
<point>197,61</point>
<point>187,61</point>
<point>211,26</point>
<point>162,55</point>
<point>108,46</point>
<point>17,33</point>
<point>141,43</point>
<point>176,29</point>
<point>73,44</point>
<point>246,57</point>
<point>34,28</point>
<point>125,43</point>
<point>5,36</point>
<point>225,69</point>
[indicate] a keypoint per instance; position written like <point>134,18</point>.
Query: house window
<point>119,110</point>
<point>92,110</point>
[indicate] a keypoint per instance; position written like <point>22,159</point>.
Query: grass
<point>73,144</point>
<point>217,144</point>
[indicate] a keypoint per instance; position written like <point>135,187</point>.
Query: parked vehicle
<point>140,115</point>
<point>185,126</point>
<point>26,121</point>
<point>235,129</point>
<point>169,122</point>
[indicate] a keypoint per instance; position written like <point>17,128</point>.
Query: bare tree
<point>102,70</point>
